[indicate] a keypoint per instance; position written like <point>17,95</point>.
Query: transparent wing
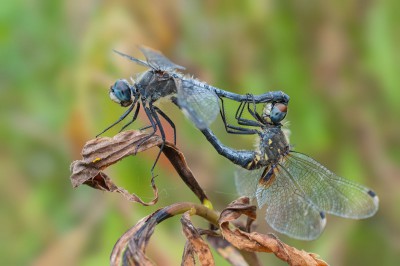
<point>331,193</point>
<point>137,61</point>
<point>289,211</point>
<point>198,103</point>
<point>157,60</point>
<point>247,180</point>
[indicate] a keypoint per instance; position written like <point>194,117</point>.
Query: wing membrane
<point>198,103</point>
<point>331,193</point>
<point>158,61</point>
<point>137,61</point>
<point>289,211</point>
<point>247,180</point>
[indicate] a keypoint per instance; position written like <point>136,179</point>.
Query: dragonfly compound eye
<point>278,113</point>
<point>121,93</point>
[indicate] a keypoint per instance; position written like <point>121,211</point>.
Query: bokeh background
<point>338,60</point>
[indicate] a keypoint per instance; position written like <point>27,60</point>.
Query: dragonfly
<point>297,190</point>
<point>198,100</point>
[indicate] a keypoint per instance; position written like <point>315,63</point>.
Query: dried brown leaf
<point>195,244</point>
<point>227,251</point>
<point>130,248</point>
<point>188,258</point>
<point>100,153</point>
<point>256,242</point>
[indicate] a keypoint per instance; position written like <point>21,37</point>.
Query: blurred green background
<point>338,60</point>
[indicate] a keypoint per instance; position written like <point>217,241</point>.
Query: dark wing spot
<point>371,193</point>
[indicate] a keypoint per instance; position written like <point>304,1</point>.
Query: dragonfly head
<point>121,92</point>
<point>273,114</point>
<point>278,113</point>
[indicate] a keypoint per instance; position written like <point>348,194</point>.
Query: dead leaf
<point>256,242</point>
<point>188,258</point>
<point>130,248</point>
<point>227,251</point>
<point>195,244</point>
<point>100,153</point>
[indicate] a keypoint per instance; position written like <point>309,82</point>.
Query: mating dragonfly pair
<point>297,190</point>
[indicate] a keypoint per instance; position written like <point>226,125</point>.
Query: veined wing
<point>331,193</point>
<point>158,61</point>
<point>198,103</point>
<point>137,61</point>
<point>289,211</point>
<point>247,180</point>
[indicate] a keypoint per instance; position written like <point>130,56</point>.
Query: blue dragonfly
<point>198,100</point>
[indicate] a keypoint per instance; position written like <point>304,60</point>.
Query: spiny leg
<point>243,121</point>
<point>135,115</point>
<point>121,118</point>
<point>254,112</point>
<point>145,127</point>
<point>227,126</point>
<point>158,122</point>
<point>239,110</point>
<point>153,125</point>
<point>158,110</point>
<point>231,128</point>
<point>222,112</point>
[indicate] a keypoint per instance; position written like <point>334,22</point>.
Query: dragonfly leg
<point>240,130</point>
<point>222,111</point>
<point>135,115</point>
<point>239,110</point>
<point>158,110</point>
<point>121,118</point>
<point>145,127</point>
<point>153,125</point>
<point>231,128</point>
<point>243,121</point>
<point>153,111</point>
<point>254,112</point>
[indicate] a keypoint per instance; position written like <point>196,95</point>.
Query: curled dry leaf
<point>194,245</point>
<point>188,258</point>
<point>100,153</point>
<point>227,251</point>
<point>130,248</point>
<point>256,242</point>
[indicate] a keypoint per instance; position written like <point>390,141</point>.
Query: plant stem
<point>197,209</point>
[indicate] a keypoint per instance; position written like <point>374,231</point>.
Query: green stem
<point>197,209</point>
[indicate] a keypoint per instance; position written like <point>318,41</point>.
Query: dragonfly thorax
<point>155,84</point>
<point>273,145</point>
